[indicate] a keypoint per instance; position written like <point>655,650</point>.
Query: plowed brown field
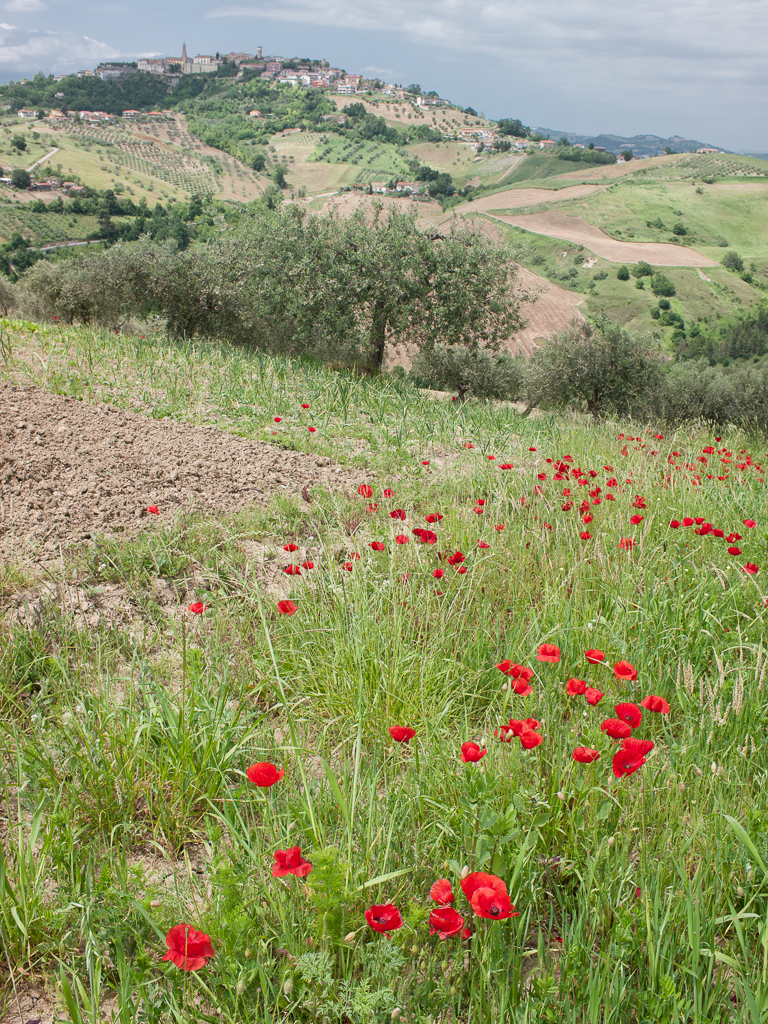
<point>574,229</point>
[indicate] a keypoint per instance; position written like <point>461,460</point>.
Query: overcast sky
<point>695,68</point>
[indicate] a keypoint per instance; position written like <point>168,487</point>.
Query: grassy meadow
<point>639,897</point>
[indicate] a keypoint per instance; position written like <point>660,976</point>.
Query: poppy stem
<point>418,780</point>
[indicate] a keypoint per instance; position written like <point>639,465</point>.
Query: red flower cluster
<point>290,862</point>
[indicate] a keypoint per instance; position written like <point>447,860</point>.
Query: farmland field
<point>549,700</point>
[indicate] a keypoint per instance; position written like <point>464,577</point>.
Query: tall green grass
<point>641,899</point>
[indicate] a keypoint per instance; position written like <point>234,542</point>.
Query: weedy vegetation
<point>394,793</point>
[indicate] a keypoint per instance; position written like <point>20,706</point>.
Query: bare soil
<point>574,229</point>
<point>69,470</point>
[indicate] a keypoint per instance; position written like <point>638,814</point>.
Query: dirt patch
<point>69,469</point>
<point>554,309</point>
<point>517,198</point>
<point>574,229</point>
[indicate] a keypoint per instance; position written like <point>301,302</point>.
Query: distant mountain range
<point>641,145</point>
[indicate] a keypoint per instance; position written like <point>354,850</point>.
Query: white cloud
<point>377,71</point>
<point>7,28</point>
<point>49,51</point>
<point>25,6</point>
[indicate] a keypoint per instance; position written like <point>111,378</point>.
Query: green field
<point>638,880</point>
<point>383,158</point>
<point>43,227</point>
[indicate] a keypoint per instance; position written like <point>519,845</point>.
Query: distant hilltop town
<point>310,74</point>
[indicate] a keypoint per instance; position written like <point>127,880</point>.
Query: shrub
<point>679,229</point>
<point>655,313</point>
<point>661,285</point>
<point>664,304</point>
<point>601,275</point>
<point>640,283</point>
<point>481,373</point>
<point>733,261</point>
<point>597,365</point>
<point>642,269</point>
<point>622,273</point>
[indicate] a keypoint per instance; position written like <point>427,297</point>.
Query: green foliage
<point>293,281</point>
<point>513,127</point>
<point>480,373</point>
<point>598,365</point>
<point>642,269</point>
<point>679,229</point>
<point>661,285</point>
<point>20,178</point>
<point>732,260</point>
<point>622,273</point>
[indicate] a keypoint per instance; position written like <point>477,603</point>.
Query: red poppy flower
<point>749,523</point>
<point>387,492</point>
<point>425,462</point>
<point>153,510</point>
<point>456,558</point>
<point>461,569</point>
<point>433,517</point>
<point>307,565</point>
<point>499,527</point>
<point>630,757</point>
<point>585,755</point>
<point>373,507</point>
<point>348,566</point>
<point>187,947</point>
<point>505,465</point>
<point>286,607</point>
<point>751,568</point>
<point>377,545</point>
<point>468,445</point>
<point>626,544</point>
<point>438,574</point>
<point>586,535</point>
<point>531,449</point>
<point>629,713</point>
<point>290,862</point>
<point>623,670</point>
<point>197,608</point>
<point>674,524</point>
<point>441,891</point>
<point>471,752</point>
<point>264,774</point>
<point>278,419</point>
<point>401,733</point>
<point>446,921</point>
<point>384,918</point>
<point>313,430</point>
<point>687,521</point>
<point>593,696</point>
<point>491,458</point>
<point>548,653</point>
<point>483,545</point>
<point>575,687</point>
<point>509,668</point>
<point>734,550</point>
<point>636,520</point>
<point>519,727</point>
<point>504,733</point>
<point>425,536</point>
<point>480,502</point>
<point>488,896</point>
<point>290,547</point>
<point>397,513</point>
<point>616,728</point>
<point>292,570</point>
<point>654,703</point>
<point>594,657</point>
<point>529,738</point>
<point>401,539</point>
<point>733,537</point>
<point>304,405</point>
<point>365,491</point>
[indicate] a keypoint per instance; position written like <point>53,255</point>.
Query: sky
<point>693,68</point>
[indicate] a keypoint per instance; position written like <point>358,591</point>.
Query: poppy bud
<point>396,1013</point>
<point>288,987</point>
<point>241,986</point>
<point>415,950</point>
<point>350,937</point>
<point>248,954</point>
<point>612,841</point>
<point>464,871</point>
<point>154,904</point>
<point>560,795</point>
<point>681,787</point>
<point>739,891</point>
